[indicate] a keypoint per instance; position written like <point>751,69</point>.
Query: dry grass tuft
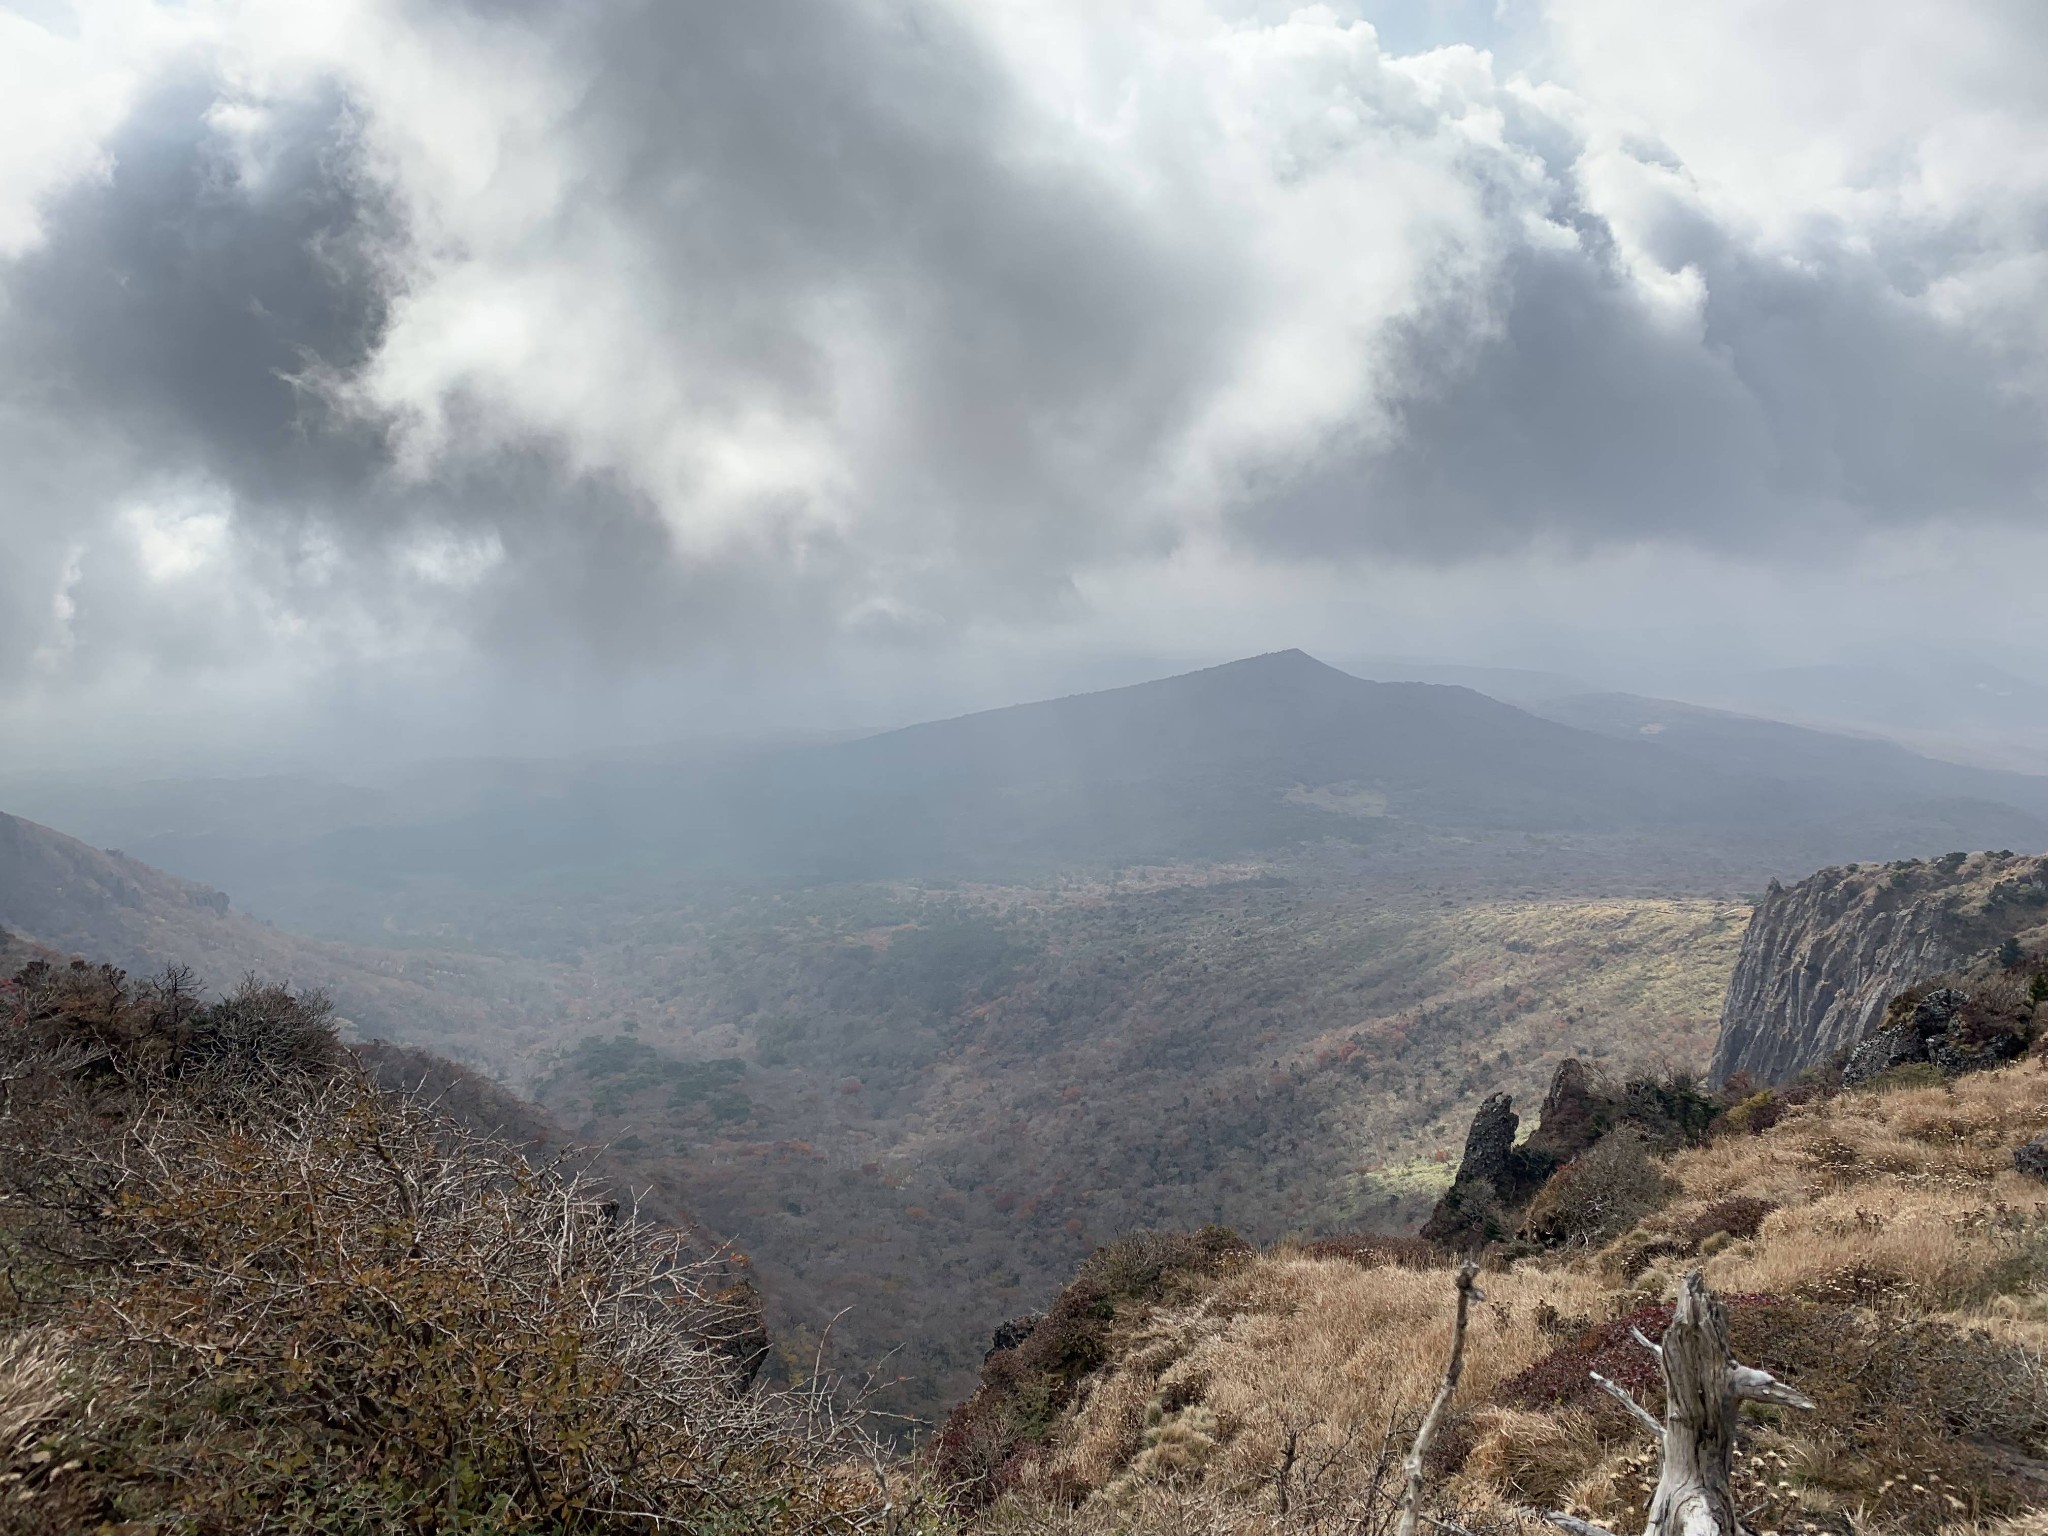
<point>1908,1198</point>
<point>33,1390</point>
<point>1312,1370</point>
<point>1878,1249</point>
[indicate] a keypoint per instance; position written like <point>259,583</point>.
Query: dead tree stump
<point>1704,1390</point>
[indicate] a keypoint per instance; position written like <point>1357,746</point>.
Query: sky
<point>409,377</point>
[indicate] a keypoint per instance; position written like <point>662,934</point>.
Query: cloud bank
<point>347,345</point>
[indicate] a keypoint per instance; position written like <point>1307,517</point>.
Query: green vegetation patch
<point>619,1066</point>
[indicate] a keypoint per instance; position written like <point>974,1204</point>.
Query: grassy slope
<point>1902,1272</point>
<point>927,1108</point>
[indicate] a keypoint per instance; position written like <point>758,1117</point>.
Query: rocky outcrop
<point>1824,958</point>
<point>1499,1182</point>
<point>1496,1179</point>
<point>1948,1029</point>
<point>1492,1178</point>
<point>1010,1334</point>
<point>1902,1041</point>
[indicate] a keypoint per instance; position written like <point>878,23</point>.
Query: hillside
<point>925,1107</point>
<point>1823,958</point>
<point>489,1110</point>
<point>250,1290</point>
<point>58,892</point>
<point>1879,1252</point>
<point>66,890</point>
<point>924,1098</point>
<point>434,1333</point>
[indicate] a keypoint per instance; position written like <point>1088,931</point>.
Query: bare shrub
<point>1599,1194</point>
<point>102,1020</point>
<point>261,1028</point>
<point>1737,1216</point>
<point>307,1305</point>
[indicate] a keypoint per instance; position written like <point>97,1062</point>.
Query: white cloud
<point>179,536</point>
<point>68,75</point>
<point>654,332</point>
<point>58,639</point>
<point>1836,113</point>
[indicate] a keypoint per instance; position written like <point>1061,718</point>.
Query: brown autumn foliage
<point>247,1290</point>
<point>922,1110</point>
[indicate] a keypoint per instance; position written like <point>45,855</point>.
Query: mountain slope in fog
<point>1254,758</point>
<point>1861,770</point>
<point>1281,749</point>
<point>75,899</point>
<point>1956,707</point>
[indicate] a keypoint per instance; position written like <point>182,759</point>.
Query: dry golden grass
<point>1911,1263</point>
<point>1302,1366</point>
<point>33,1364</point>
<point>1907,1197</point>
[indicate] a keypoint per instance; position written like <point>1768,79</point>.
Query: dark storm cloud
<point>152,336</point>
<point>156,339</point>
<point>770,164</point>
<point>785,156</point>
<point>1805,397</point>
<point>178,299</point>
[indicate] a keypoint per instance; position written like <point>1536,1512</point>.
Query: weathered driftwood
<point>1411,1495</point>
<point>1704,1390</point>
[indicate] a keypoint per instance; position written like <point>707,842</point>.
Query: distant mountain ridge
<point>1209,764</point>
<point>1964,709</point>
<point>1281,750</point>
<point>1869,767</point>
<point>1255,758</point>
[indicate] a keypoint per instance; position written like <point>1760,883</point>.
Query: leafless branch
<point>1574,1524</point>
<point>1411,1495</point>
<point>1620,1394</point>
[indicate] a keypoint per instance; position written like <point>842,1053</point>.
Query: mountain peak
<point>1270,665</point>
<point>1291,658</point>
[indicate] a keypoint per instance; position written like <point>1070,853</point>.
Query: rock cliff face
<point>1823,958</point>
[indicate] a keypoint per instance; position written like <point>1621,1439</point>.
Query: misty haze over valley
<point>960,630</point>
<point>917,1016</point>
